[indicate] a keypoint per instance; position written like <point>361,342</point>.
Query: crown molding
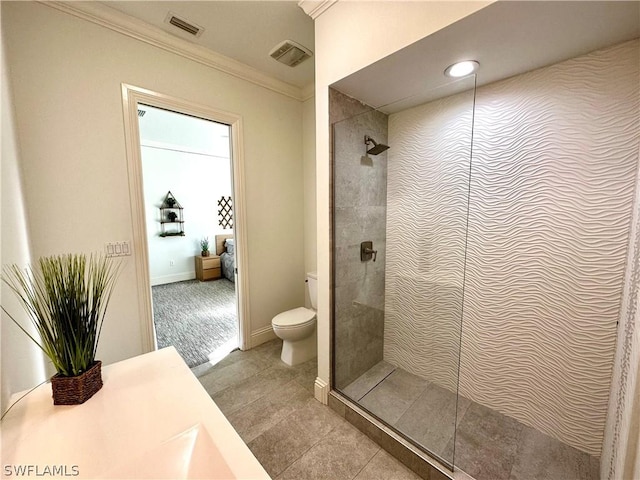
<point>134,28</point>
<point>308,91</point>
<point>315,8</point>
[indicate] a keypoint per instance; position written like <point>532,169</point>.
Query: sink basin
<point>190,454</point>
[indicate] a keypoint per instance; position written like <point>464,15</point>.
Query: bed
<point>225,248</point>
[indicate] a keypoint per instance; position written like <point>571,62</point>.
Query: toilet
<point>297,328</point>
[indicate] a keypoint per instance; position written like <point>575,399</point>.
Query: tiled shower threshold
<point>489,445</point>
<point>389,440</point>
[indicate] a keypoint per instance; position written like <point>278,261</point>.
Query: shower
<point>427,341</point>
<point>377,148</point>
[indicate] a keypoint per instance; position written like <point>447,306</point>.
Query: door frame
<point>132,96</point>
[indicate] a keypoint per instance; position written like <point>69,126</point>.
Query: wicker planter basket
<point>77,390</point>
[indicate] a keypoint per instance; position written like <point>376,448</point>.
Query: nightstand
<point>208,268</point>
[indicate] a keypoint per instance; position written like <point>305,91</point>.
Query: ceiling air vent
<point>290,53</point>
<point>182,24</point>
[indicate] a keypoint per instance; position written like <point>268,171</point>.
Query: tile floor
<point>488,445</point>
<point>271,405</point>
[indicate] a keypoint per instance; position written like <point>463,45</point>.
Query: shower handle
<point>367,252</point>
<point>371,251</point>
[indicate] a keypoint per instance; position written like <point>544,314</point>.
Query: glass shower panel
<point>397,301</point>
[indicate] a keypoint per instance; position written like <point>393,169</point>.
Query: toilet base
<point>295,353</point>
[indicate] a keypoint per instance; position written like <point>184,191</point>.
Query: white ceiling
<point>171,130</point>
<point>507,38</point>
<point>243,30</point>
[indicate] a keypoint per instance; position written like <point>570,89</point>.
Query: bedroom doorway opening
<point>187,187</point>
<point>135,101</point>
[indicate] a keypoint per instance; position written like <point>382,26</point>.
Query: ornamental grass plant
<point>66,299</point>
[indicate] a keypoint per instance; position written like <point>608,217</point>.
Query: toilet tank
<point>312,283</point>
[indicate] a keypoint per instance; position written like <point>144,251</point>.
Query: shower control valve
<point>367,252</point>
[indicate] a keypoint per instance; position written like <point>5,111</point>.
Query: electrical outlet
<point>118,249</point>
<point>171,263</point>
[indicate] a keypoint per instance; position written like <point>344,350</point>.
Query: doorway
<point>159,265</point>
<point>186,171</point>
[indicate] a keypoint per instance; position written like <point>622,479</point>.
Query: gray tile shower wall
<point>359,212</point>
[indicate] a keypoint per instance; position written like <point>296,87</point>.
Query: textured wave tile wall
<point>554,162</point>
<point>427,192</point>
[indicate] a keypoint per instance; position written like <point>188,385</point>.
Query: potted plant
<point>204,246</point>
<point>66,298</point>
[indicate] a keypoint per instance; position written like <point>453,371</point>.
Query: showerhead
<point>377,148</point>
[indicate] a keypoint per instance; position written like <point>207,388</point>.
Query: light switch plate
<point>118,249</point>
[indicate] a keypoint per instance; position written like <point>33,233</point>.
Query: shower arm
<point>377,147</point>
<point>368,140</point>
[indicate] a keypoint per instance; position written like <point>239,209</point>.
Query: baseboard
<point>262,335</point>
<point>178,277</point>
<point>321,391</point>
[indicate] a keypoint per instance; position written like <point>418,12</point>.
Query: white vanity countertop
<point>151,419</point>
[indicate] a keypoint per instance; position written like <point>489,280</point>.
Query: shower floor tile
<point>430,420</point>
<point>488,444</point>
<point>392,397</point>
<point>368,380</point>
<point>541,457</point>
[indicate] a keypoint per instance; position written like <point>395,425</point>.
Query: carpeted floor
<point>195,317</point>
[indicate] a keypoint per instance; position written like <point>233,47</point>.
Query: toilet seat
<point>294,318</point>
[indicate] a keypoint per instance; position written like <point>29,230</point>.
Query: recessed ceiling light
<point>462,69</point>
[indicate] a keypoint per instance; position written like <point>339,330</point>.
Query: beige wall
<point>67,76</point>
<point>27,364</point>
<point>348,37</point>
<point>309,169</point>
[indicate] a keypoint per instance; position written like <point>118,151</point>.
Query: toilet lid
<point>292,318</point>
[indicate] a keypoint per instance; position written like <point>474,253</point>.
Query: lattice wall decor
<point>225,212</point>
